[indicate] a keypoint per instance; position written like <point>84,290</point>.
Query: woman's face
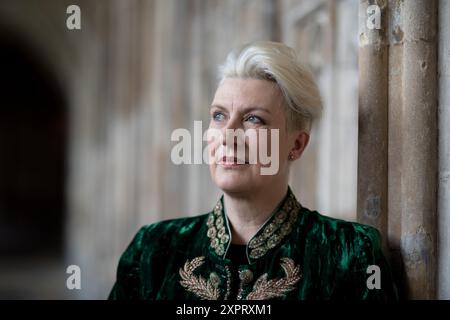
<point>249,105</point>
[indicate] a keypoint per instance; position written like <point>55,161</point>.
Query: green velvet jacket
<point>297,254</point>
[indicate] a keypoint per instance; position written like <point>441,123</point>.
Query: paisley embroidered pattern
<point>264,289</point>
<point>268,237</point>
<point>205,289</point>
<point>280,226</point>
<point>216,230</point>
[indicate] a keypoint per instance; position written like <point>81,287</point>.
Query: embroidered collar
<point>274,230</point>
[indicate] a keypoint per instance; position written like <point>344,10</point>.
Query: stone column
<point>373,119</point>
<point>395,129</point>
<point>398,90</point>
<point>419,148</point>
<point>443,282</point>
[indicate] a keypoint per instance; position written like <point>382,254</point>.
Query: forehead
<point>236,92</point>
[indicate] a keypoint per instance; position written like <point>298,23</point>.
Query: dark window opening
<point>32,154</point>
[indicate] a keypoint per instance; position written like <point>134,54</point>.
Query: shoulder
<point>334,226</point>
<point>178,225</point>
<point>346,250</point>
<point>337,232</point>
<point>168,231</point>
<point>349,246</point>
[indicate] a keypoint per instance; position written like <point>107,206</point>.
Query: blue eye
<point>218,116</point>
<point>254,119</point>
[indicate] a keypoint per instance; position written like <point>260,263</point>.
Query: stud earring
<point>291,156</point>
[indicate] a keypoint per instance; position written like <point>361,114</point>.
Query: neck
<point>247,213</point>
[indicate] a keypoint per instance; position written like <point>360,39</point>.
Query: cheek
<point>282,140</point>
<point>212,149</point>
<point>213,138</point>
<point>270,140</point>
<point>252,142</point>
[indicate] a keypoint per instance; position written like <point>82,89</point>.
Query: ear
<point>301,140</point>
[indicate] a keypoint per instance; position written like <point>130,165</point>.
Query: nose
<point>228,137</point>
<point>233,123</point>
<point>233,133</point>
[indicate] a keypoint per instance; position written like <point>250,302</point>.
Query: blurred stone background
<point>87,116</point>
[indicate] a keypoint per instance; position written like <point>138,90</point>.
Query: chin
<point>233,183</point>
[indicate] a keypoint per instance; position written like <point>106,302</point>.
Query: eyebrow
<point>246,110</point>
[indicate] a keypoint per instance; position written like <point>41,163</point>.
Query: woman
<point>258,242</point>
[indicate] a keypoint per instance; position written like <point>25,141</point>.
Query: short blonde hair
<point>274,61</point>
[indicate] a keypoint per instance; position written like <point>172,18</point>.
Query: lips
<point>231,161</point>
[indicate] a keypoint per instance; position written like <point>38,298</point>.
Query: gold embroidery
<point>216,230</point>
<point>276,230</point>
<point>266,289</point>
<point>227,294</point>
<point>263,289</point>
<point>205,289</point>
<point>245,277</point>
<point>269,237</point>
